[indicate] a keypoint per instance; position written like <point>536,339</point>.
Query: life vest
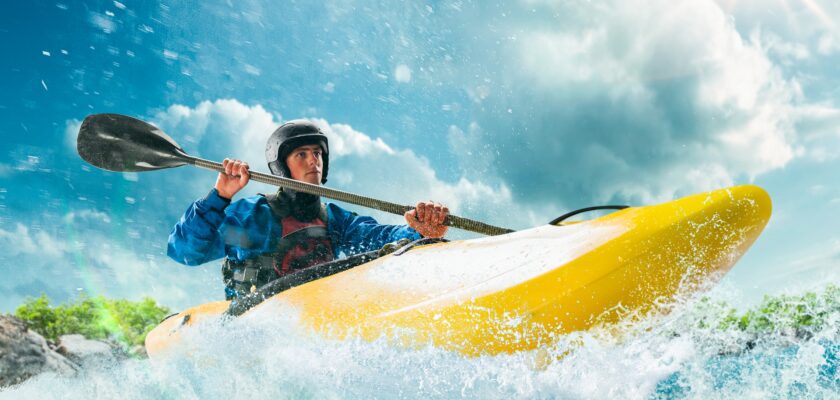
<point>303,244</point>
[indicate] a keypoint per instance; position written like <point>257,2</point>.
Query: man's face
<point>305,164</point>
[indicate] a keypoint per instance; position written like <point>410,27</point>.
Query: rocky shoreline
<point>25,353</point>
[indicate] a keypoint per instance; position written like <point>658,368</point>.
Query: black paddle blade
<point>125,144</point>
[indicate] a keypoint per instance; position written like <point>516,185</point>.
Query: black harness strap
<point>245,276</point>
<point>281,210</point>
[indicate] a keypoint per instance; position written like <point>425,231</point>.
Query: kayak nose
<point>740,210</point>
<point>754,203</point>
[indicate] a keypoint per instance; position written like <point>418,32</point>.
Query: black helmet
<point>290,136</point>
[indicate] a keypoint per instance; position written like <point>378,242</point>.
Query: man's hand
<point>427,219</point>
<point>235,178</point>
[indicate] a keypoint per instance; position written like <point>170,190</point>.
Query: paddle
<point>124,144</point>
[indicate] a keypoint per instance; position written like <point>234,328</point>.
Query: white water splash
<point>661,357</point>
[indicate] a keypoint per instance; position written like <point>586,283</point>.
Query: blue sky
<point>510,112</point>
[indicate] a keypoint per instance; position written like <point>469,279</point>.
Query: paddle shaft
<point>352,198</point>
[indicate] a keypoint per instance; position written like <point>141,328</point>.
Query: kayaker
<point>264,237</point>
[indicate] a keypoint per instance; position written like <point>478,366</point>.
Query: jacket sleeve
<point>357,234</point>
<point>195,239</point>
<point>213,228</point>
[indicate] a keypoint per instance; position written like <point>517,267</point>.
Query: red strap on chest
<point>307,251</point>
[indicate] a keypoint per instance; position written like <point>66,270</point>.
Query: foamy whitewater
<point>665,356</point>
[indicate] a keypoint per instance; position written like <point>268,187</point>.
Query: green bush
<point>807,312</point>
<point>125,321</point>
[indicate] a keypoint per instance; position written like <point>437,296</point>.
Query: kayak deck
<point>521,290</point>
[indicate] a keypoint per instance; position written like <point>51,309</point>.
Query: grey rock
<point>24,353</point>
<point>85,351</point>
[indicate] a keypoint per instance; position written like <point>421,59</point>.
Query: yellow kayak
<point>519,291</point>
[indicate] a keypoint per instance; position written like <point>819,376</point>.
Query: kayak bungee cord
<point>570,214</point>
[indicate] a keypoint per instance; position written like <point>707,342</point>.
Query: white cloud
<point>817,268</point>
<point>818,128</point>
<point>654,87</point>
<point>18,241</point>
<point>85,255</point>
<point>640,100</point>
<point>828,44</point>
<point>344,140</point>
<point>227,125</point>
<point>22,241</point>
<point>402,73</point>
<point>372,166</point>
<point>359,162</point>
<point>817,189</point>
<point>818,121</point>
<point>87,215</point>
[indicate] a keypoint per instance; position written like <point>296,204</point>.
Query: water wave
<point>701,349</point>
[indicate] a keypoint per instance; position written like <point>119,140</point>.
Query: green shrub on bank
<point>125,321</point>
<point>808,312</point>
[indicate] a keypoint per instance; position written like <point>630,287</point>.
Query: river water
<point>677,355</point>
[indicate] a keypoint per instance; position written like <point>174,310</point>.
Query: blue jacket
<point>213,227</point>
